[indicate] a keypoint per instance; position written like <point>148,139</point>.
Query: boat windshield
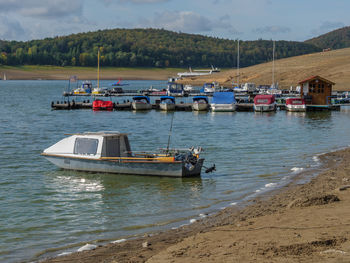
<point>85,146</point>
<point>262,101</point>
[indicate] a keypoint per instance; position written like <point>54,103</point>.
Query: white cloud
<point>187,21</point>
<point>11,29</point>
<point>326,27</point>
<point>39,9</point>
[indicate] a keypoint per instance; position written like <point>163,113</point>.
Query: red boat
<point>102,105</point>
<point>295,104</point>
<point>264,103</point>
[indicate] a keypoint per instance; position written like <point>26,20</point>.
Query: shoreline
<point>83,73</point>
<point>249,232</point>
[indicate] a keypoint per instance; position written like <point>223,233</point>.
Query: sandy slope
<point>333,65</point>
<point>52,72</point>
<point>299,223</point>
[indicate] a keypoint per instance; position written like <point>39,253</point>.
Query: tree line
<point>145,48</point>
<point>336,39</point>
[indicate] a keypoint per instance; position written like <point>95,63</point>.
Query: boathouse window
<point>85,146</point>
<point>312,88</point>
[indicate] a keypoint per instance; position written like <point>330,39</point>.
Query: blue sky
<point>233,19</point>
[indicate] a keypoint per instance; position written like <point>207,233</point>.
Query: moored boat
<point>209,88</point>
<point>167,103</point>
<point>264,103</point>
<point>110,152</point>
<point>84,89</point>
<point>141,103</point>
<point>98,91</point>
<point>99,105</point>
<point>200,103</point>
<point>175,89</point>
<point>223,101</point>
<point>295,104</point>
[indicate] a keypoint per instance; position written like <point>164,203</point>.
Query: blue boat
<point>223,101</point>
<point>175,89</point>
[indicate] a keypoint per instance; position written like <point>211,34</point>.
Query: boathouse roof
<point>316,77</point>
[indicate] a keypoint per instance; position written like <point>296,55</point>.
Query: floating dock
<point>71,105</point>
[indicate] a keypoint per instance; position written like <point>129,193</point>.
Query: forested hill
<point>145,48</point>
<point>336,39</point>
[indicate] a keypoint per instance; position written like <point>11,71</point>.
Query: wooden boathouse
<point>316,90</point>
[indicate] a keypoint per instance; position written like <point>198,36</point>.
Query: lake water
<point>46,211</point>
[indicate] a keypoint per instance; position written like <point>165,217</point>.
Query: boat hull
<point>166,169</point>
<point>167,106</point>
<point>141,106</point>
<point>199,106</point>
<point>265,107</point>
<point>296,108</point>
<point>223,107</point>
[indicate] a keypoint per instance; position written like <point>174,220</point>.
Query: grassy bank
<point>54,72</point>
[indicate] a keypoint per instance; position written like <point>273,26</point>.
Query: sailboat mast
<point>273,64</point>
<point>238,63</point>
<point>98,68</point>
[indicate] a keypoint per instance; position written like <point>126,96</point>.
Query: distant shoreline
<point>82,73</point>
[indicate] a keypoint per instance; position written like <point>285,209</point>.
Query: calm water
<point>47,211</point>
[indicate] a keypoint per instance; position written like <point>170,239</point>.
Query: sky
<point>295,20</point>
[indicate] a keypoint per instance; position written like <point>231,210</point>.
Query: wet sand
<point>301,222</point>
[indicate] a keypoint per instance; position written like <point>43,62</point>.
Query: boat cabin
<point>175,89</point>
<point>167,99</point>
<point>295,101</point>
<point>200,99</point>
<point>92,145</point>
<point>264,99</point>
<point>316,90</point>
<point>209,87</point>
<point>142,99</point>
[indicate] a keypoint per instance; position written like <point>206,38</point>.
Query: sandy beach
<point>308,220</point>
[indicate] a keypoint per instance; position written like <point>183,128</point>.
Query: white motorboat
<point>188,88</point>
<point>141,103</point>
<point>110,152</point>
<point>98,91</point>
<point>210,88</point>
<point>167,103</point>
<point>200,103</point>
